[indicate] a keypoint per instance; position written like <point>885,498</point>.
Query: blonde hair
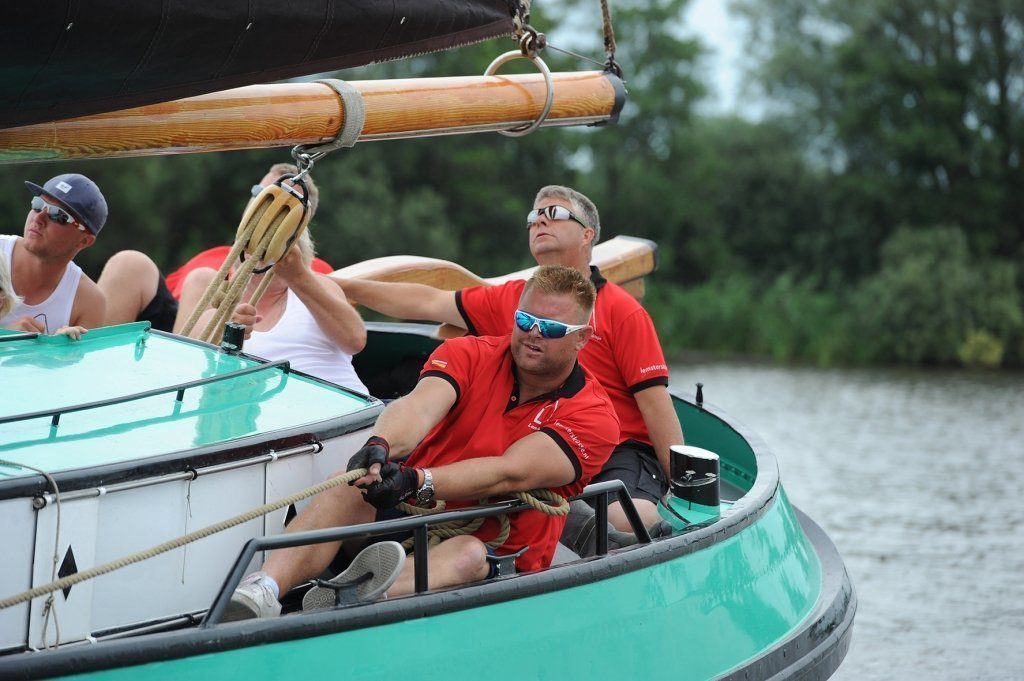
<point>8,298</point>
<point>564,281</point>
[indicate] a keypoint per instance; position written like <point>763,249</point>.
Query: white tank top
<point>298,338</point>
<point>55,311</point>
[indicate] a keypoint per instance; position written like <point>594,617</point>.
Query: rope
<point>270,225</point>
<point>609,32</point>
<point>543,500</point>
<point>537,499</point>
<point>154,551</point>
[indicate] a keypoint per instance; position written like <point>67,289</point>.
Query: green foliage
<point>980,349</point>
<point>918,102</point>
<point>788,321</point>
<point>777,237</point>
<point>932,303</point>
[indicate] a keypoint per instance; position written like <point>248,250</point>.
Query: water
<point>918,477</point>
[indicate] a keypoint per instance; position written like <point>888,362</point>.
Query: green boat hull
<point>759,592</point>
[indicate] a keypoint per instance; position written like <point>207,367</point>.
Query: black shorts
<point>636,465</point>
<point>162,310</point>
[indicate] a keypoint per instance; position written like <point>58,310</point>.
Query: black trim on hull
<point>817,649</point>
<point>231,636</point>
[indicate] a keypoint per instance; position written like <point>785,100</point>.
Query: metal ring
<point>539,63</point>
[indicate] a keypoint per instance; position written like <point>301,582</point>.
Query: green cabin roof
<point>47,373</point>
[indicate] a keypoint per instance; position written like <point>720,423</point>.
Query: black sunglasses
<point>552,213</point>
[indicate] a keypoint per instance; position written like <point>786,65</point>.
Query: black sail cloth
<point>70,58</point>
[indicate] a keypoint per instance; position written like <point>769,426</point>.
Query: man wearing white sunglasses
<point>66,215</point>
<point>623,353</point>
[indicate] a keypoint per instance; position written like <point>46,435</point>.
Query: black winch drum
<point>694,474</point>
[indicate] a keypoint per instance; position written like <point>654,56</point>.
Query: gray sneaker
<point>252,598</point>
<point>378,565</point>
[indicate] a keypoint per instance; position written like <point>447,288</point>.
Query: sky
<point>722,35</point>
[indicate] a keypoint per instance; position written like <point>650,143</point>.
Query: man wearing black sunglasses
<point>624,352</point>
<point>65,216</point>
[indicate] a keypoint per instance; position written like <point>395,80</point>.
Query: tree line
<point>873,214</point>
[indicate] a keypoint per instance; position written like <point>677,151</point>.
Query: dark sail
<point>66,58</point>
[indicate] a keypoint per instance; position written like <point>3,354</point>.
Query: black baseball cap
<point>79,195</point>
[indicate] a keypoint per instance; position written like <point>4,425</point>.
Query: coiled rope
<point>543,500</point>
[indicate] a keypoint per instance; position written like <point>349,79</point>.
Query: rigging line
<point>574,54</point>
<point>609,32</point>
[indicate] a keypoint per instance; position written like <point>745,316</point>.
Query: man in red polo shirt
<point>623,353</point>
<point>489,416</point>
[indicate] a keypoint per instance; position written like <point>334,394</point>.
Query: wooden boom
<point>260,116</point>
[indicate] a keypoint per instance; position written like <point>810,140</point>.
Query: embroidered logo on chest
<point>543,415</point>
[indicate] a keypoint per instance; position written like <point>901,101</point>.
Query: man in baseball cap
<point>65,216</point>
<point>79,195</point>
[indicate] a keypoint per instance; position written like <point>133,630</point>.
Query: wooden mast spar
<point>285,115</point>
<point>282,115</point>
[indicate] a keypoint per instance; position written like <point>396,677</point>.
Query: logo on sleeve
<point>654,367</point>
<point>574,439</point>
<point>439,363</point>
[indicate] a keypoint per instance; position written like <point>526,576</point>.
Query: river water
<point>918,478</point>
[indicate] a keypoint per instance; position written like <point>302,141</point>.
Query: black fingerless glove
<point>397,484</point>
<point>376,450</point>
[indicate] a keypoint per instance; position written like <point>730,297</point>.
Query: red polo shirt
<point>624,353</point>
<point>488,417</point>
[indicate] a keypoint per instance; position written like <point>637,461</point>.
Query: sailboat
<point>165,438</point>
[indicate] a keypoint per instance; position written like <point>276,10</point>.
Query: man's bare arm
<point>532,462</point>
<point>403,301</point>
<point>407,420</point>
<point>90,306</point>
<point>655,405</point>
<point>338,320</point>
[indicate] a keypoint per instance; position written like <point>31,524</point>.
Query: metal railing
<point>178,388</point>
<point>419,525</point>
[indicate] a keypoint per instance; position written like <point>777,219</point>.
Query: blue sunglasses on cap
<point>549,328</point>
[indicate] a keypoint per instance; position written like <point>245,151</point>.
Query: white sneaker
<point>382,562</point>
<point>252,598</point>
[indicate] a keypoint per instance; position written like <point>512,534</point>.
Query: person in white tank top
<point>303,316</point>
<point>66,215</point>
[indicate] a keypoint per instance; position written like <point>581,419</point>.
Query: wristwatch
<point>425,494</point>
